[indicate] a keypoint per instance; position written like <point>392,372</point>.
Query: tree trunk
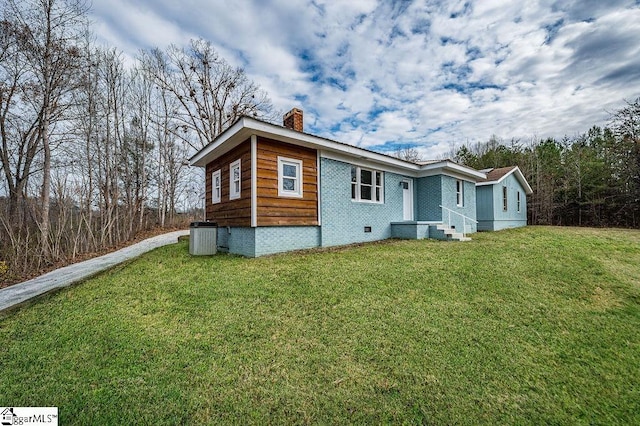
<point>46,188</point>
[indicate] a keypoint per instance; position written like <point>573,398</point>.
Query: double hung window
<point>459,193</point>
<point>216,186</point>
<point>504,198</point>
<point>235,180</point>
<point>289,177</point>
<point>367,185</point>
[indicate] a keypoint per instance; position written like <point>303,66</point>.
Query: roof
<point>495,176</point>
<point>427,162</point>
<point>245,127</point>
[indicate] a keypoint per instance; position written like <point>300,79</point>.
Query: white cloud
<point>134,25</point>
<point>431,72</point>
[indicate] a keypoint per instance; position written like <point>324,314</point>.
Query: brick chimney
<point>293,120</point>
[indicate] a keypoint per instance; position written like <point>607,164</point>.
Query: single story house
<point>275,188</point>
<point>501,199</point>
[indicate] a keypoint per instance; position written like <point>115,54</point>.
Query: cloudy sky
<point>429,74</point>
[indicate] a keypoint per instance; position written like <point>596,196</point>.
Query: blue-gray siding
<point>484,201</point>
<point>434,191</point>
<point>278,239</point>
<point>491,215</point>
<point>410,230</point>
<point>253,242</point>
<point>344,220</point>
<point>428,196</point>
<point>237,240</point>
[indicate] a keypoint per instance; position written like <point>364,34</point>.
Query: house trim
<point>319,188</point>
<point>357,194</point>
<point>410,188</point>
<point>296,193</point>
<point>459,193</point>
<point>254,181</point>
<point>247,126</point>
<point>518,174</point>
<point>216,198</point>
<point>233,195</point>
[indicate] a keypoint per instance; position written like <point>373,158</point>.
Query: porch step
<point>451,234</point>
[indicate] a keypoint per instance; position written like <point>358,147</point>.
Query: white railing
<point>464,219</point>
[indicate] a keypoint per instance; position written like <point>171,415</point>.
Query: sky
<point>429,74</point>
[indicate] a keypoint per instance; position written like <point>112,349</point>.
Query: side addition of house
<point>275,188</point>
<point>502,199</point>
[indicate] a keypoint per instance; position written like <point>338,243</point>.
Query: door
<point>407,200</point>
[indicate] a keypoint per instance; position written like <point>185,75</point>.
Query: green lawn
<point>532,326</point>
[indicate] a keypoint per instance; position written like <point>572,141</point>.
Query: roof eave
<point>247,126</point>
<point>519,175</point>
<point>450,166</point>
<point>201,158</point>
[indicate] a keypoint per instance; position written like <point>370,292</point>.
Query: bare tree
<point>18,120</point>
<point>50,31</point>
<point>171,155</point>
<point>211,93</point>
<point>409,154</point>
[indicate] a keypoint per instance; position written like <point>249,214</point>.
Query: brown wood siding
<point>230,212</point>
<point>274,210</point>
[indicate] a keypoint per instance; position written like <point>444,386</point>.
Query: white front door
<point>407,200</point>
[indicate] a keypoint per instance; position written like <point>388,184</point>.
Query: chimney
<point>293,120</point>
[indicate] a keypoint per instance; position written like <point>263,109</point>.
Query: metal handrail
<point>464,219</point>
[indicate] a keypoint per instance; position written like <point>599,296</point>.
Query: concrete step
<point>451,234</point>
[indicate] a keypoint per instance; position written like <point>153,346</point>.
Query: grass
<point>530,326</point>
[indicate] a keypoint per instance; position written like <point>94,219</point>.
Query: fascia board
<point>451,169</point>
<point>523,181</point>
<point>527,188</point>
<point>326,145</point>
<point>443,172</point>
<point>245,127</point>
<point>235,132</point>
<point>367,163</point>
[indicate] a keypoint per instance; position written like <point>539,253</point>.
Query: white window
<point>459,193</point>
<point>367,185</point>
<point>504,198</point>
<point>216,187</point>
<point>289,177</point>
<point>518,201</point>
<point>235,176</point>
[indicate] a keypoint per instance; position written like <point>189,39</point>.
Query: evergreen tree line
<point>94,145</point>
<point>589,180</point>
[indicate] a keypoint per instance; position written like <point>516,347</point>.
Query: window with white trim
<point>235,180</point>
<point>289,177</point>
<point>504,198</point>
<point>518,200</point>
<point>216,187</point>
<point>367,185</point>
<point>459,193</point>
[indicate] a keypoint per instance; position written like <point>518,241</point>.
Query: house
<point>7,416</point>
<point>275,188</point>
<point>501,199</point>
